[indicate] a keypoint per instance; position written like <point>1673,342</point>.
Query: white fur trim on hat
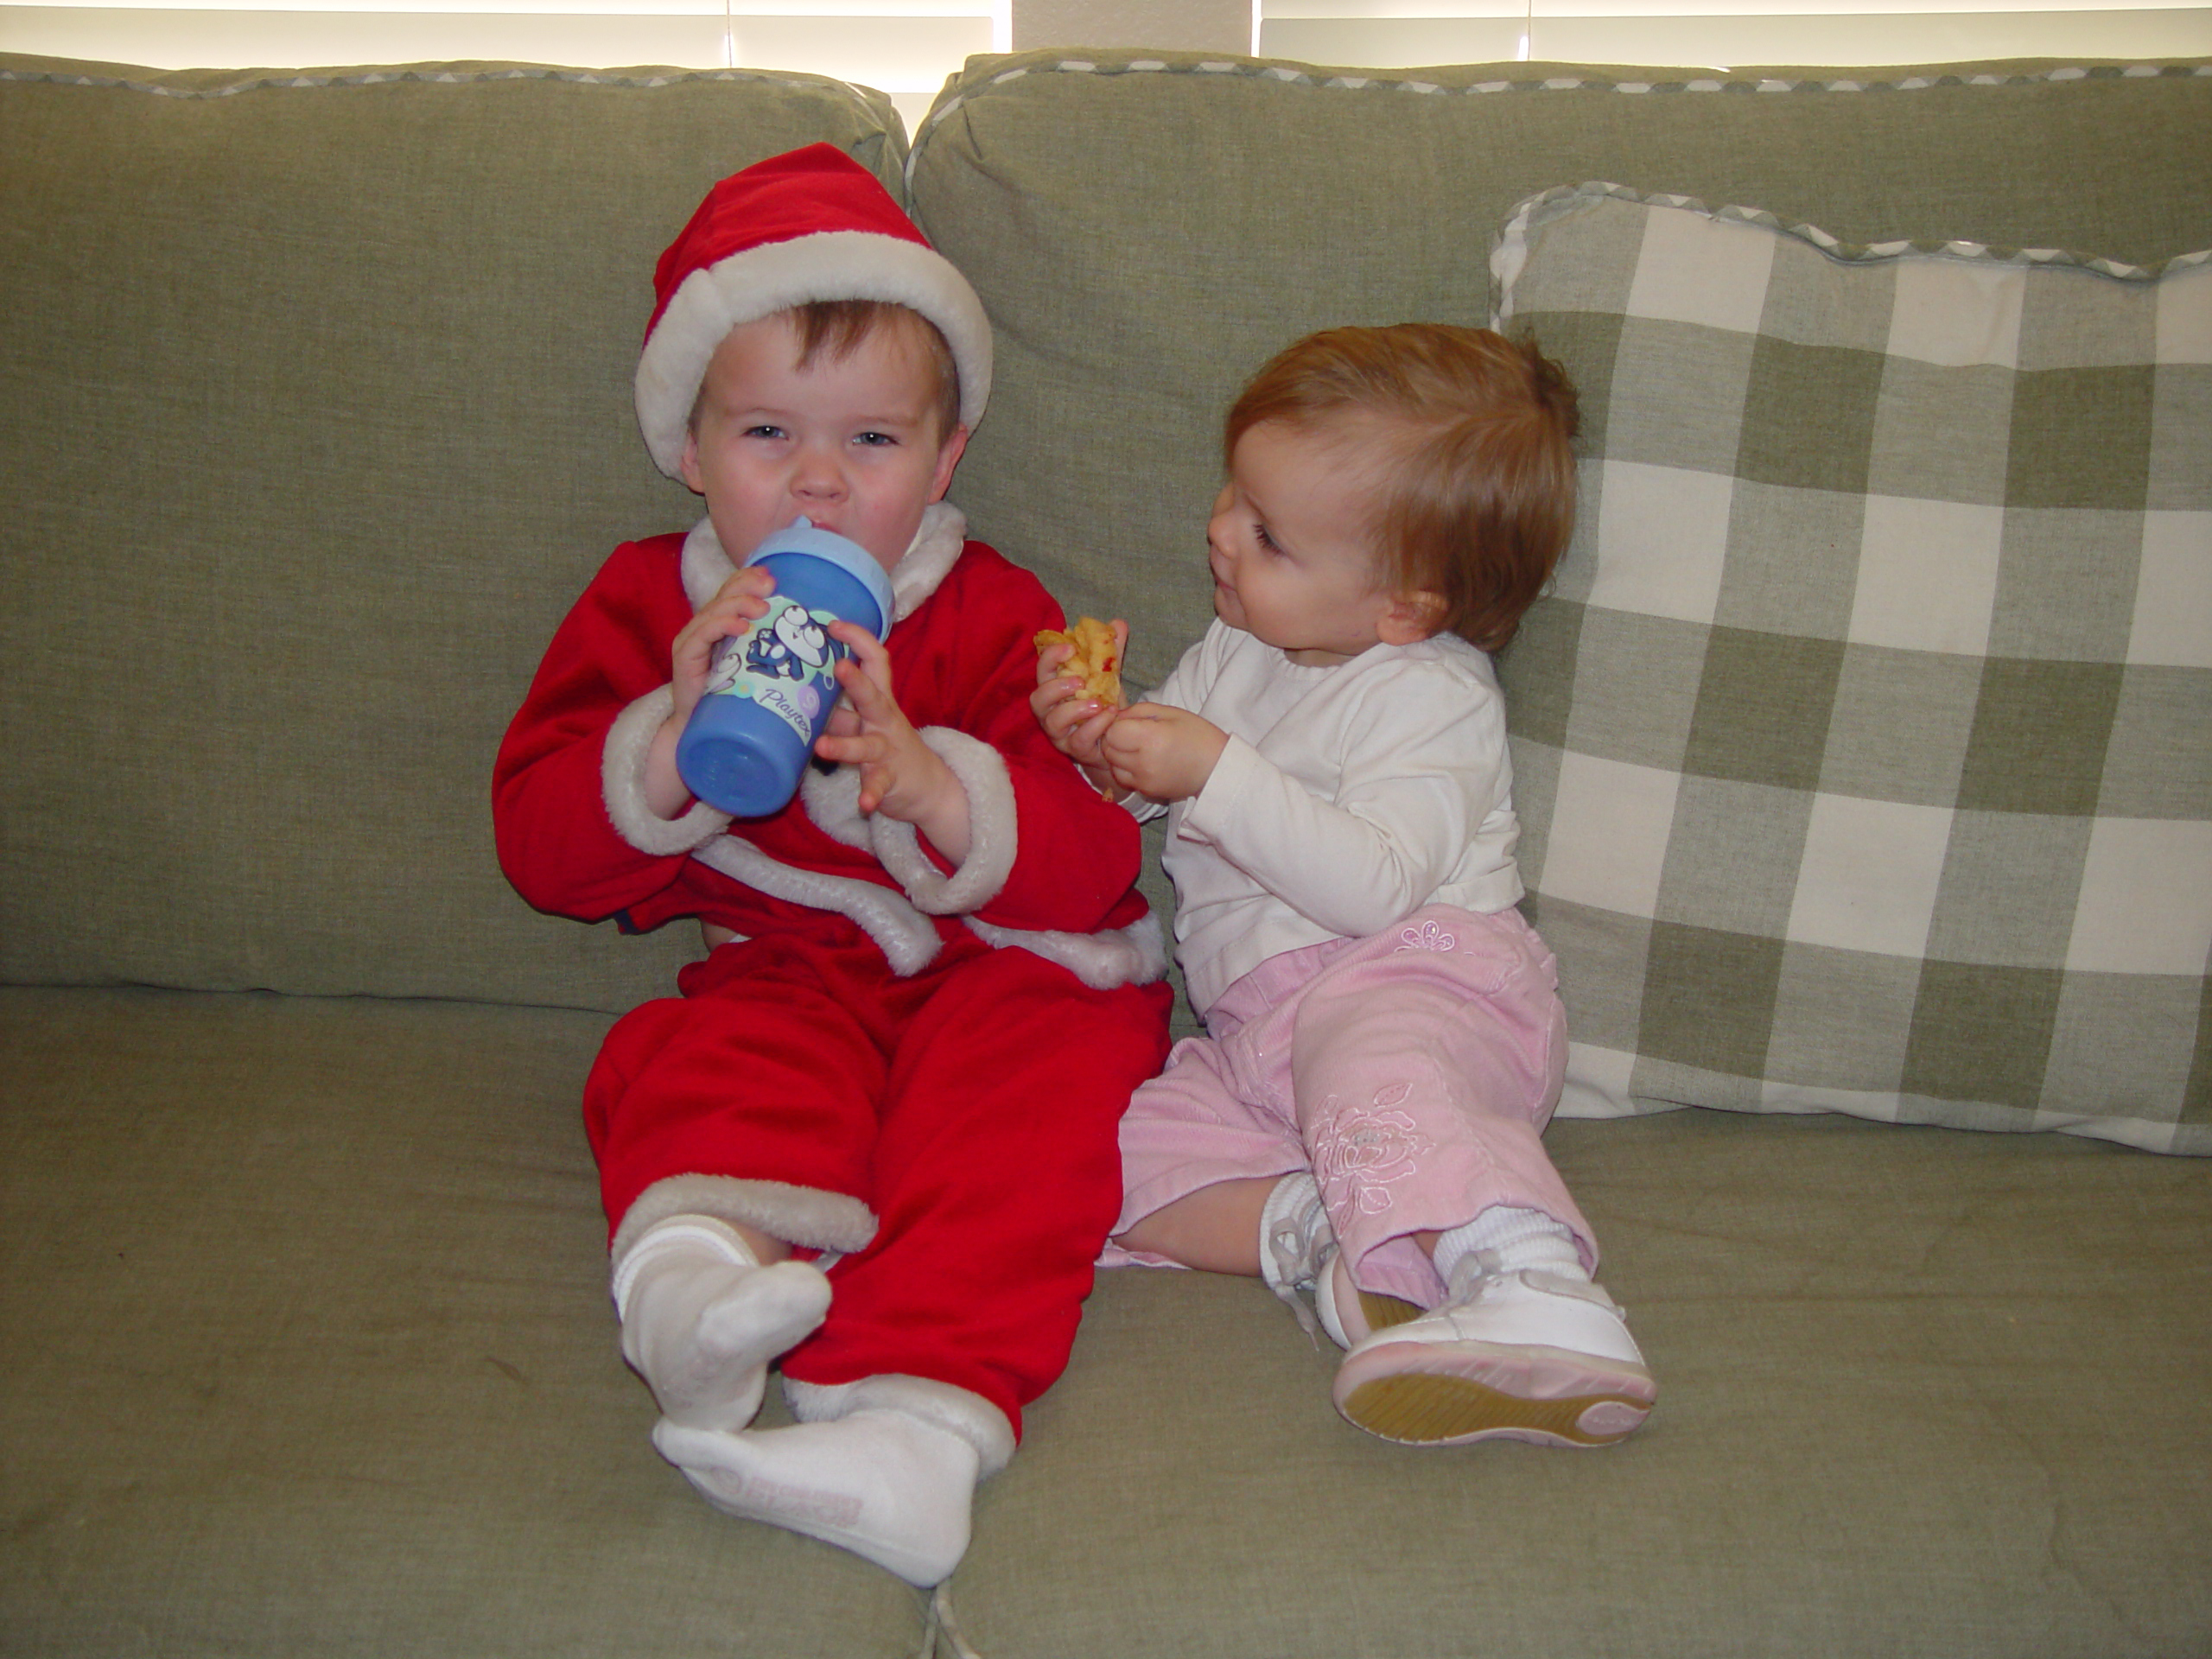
<point>767,277</point>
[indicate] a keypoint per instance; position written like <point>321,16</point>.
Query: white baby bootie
<point>886,1467</point>
<point>1523,1347</point>
<point>701,1318</point>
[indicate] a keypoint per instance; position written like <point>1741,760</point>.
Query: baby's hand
<point>740,602</point>
<point>1075,721</point>
<point>1163,753</point>
<point>901,777</point>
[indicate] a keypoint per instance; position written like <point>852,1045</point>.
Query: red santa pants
<point>973,1107</point>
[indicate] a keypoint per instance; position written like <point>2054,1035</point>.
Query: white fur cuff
<point>970,1416</point>
<point>991,832</point>
<point>622,784</point>
<point>798,1214</point>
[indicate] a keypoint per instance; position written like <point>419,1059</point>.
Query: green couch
<point>314,417</point>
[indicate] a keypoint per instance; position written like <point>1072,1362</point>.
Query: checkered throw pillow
<point>1863,749</point>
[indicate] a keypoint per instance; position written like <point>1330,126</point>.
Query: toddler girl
<point>1384,1038</point>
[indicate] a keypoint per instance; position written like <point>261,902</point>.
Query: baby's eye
<point>1268,543</point>
<point>874,440</point>
<point>764,430</point>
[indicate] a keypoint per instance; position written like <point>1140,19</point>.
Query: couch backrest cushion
<point>317,418</point>
<point>1146,231</point>
<point>1863,750</point>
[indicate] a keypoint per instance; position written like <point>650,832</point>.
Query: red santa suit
<point>916,1068</point>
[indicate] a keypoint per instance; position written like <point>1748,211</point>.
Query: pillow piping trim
<point>1525,217</point>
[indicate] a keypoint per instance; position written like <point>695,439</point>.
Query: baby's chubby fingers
<point>740,602</point>
<point>1162,753</point>
<point>1073,721</point>
<point>866,675</point>
<point>1063,710</point>
<point>856,746</point>
<point>1051,660</point>
<point>1084,739</point>
<point>1130,735</point>
<point>869,656</point>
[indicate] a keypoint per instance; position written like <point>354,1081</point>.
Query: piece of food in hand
<point>1096,660</point>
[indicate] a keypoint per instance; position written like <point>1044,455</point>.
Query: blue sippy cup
<point>771,688</point>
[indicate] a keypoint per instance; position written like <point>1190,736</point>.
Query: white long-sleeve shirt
<point>1349,797</point>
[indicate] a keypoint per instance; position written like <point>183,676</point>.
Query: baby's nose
<point>818,474</point>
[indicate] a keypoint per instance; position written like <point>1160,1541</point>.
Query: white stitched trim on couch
<point>1296,75</point>
<point>442,78</point>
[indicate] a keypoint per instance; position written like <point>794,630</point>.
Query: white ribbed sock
<point>701,1318</point>
<point>1513,1239</point>
<point>895,1488</point>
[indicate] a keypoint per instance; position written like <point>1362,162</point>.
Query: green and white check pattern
<point>1864,748</point>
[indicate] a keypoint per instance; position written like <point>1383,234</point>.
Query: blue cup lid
<point>802,536</point>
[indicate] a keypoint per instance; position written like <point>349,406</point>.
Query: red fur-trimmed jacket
<point>1051,867</point>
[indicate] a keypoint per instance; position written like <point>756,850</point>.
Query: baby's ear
<point>686,465</point>
<point>1412,618</point>
<point>948,457</point>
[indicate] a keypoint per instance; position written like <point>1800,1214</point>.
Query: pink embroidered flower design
<point>1360,1153</point>
<point>1428,937</point>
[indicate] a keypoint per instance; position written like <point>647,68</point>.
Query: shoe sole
<point>1429,1394</point>
<point>1383,1312</point>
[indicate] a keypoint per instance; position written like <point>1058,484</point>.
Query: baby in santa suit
<point>874,1137</point>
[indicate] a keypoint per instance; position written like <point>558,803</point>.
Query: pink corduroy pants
<point>1412,1072</point>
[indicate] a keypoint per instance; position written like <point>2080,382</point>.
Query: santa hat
<point>811,225</point>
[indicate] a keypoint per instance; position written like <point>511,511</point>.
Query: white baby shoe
<point>1523,1354</point>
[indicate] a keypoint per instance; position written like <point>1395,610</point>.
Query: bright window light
<point>908,47</point>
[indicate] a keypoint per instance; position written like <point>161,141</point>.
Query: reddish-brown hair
<point>1470,436</point>
<point>835,326</point>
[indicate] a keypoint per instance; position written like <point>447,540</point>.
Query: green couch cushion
<point>1863,750</point>
<point>1147,230</point>
<point>309,1350</point>
<point>318,417</point>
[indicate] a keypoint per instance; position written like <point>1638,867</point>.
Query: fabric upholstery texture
<point>1133,290</point>
<point>317,421</point>
<point>1146,229</point>
<point>1863,749</point>
<point>315,1354</point>
<point>317,416</point>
